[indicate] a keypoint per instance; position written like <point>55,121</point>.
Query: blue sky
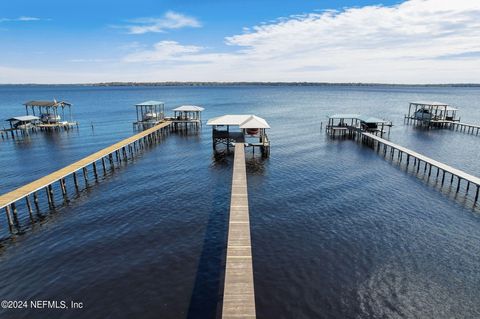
<point>415,41</point>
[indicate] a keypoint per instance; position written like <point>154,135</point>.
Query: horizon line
<point>226,83</point>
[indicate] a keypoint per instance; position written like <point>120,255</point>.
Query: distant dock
<point>367,130</point>
<point>239,295</point>
<point>418,160</point>
<point>438,114</point>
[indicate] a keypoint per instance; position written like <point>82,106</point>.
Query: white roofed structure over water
<point>431,112</point>
<point>242,121</point>
<point>250,126</point>
<point>351,121</point>
<point>51,114</point>
<point>188,108</point>
<point>186,116</point>
<point>149,113</point>
<point>23,122</point>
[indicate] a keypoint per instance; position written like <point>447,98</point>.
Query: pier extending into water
<point>418,160</point>
<point>465,127</point>
<point>238,293</point>
<point>117,152</point>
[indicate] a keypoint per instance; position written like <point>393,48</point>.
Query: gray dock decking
<point>238,294</point>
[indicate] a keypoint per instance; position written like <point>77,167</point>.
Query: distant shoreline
<point>225,84</point>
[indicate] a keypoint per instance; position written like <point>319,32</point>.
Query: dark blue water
<point>337,230</point>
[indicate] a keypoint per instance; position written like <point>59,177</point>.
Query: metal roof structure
<point>371,119</point>
<point>344,116</point>
<point>362,118</point>
<point>434,104</point>
<point>243,121</point>
<point>25,118</point>
<point>149,103</point>
<point>53,103</point>
<point>188,108</point>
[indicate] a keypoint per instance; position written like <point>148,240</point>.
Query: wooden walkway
<point>125,146</point>
<point>453,125</point>
<point>465,127</point>
<point>238,294</point>
<point>428,163</point>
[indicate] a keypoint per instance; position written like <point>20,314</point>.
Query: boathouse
<point>248,129</point>
<point>51,113</point>
<point>25,122</point>
<point>431,113</point>
<point>347,124</point>
<point>186,116</point>
<point>149,113</point>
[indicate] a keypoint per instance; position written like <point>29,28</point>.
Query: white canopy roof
<point>150,103</point>
<point>435,104</point>
<point>25,118</point>
<point>429,103</point>
<point>243,121</point>
<point>189,108</point>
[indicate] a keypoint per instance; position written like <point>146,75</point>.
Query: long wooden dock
<point>428,163</point>
<point>122,150</point>
<point>238,295</point>
<point>453,125</point>
<point>465,127</point>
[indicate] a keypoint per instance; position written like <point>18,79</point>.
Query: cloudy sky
<point>415,41</point>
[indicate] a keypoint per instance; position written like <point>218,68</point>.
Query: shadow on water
<point>207,293</point>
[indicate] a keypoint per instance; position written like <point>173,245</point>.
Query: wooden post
<point>29,206</point>
<point>63,188</point>
<point>35,201</point>
<point>9,218</point>
<point>476,195</point>
<point>458,185</point>
<point>110,158</point>
<point>49,196</point>
<point>85,175</point>
<point>14,210</point>
<point>103,166</point>
<point>95,170</point>
<point>75,181</point>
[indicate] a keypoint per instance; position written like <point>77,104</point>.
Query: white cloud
<point>21,19</point>
<point>170,20</point>
<point>163,51</point>
<point>416,41</point>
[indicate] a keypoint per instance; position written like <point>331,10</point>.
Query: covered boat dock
<point>186,116</point>
<point>347,124</point>
<point>431,113</point>
<point>149,113</point>
<point>51,114</point>
<point>247,129</point>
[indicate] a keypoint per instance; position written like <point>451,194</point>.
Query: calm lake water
<point>337,230</point>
